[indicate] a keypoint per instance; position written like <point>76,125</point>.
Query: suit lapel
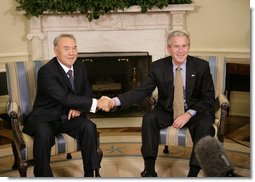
<point>167,81</point>
<point>77,76</point>
<point>169,75</point>
<point>191,74</point>
<point>63,74</point>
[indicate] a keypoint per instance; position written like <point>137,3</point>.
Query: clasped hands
<point>105,103</point>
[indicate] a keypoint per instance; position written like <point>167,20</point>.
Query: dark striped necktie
<point>70,76</point>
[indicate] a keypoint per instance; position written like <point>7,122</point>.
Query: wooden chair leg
<point>100,154</point>
<point>166,150</point>
<point>22,167</point>
<point>69,156</point>
<point>221,138</point>
<point>15,154</point>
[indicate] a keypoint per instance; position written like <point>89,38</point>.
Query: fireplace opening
<point>112,73</point>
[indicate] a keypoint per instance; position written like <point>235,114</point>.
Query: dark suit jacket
<point>200,94</point>
<point>55,97</point>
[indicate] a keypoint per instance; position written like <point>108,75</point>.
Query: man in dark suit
<point>60,106</point>
<point>198,97</point>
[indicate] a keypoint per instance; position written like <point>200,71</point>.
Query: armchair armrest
<point>13,111</point>
<point>152,102</point>
<point>223,106</point>
<point>223,102</point>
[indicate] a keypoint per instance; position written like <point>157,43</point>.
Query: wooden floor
<point>238,129</point>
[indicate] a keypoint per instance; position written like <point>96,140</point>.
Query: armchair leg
<point>23,169</point>
<point>15,154</point>
<point>166,150</point>
<point>221,138</point>
<point>69,156</point>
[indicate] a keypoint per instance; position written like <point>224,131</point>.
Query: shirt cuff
<point>192,112</point>
<point>117,101</point>
<point>93,106</point>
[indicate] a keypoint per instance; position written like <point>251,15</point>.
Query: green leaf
<point>92,8</point>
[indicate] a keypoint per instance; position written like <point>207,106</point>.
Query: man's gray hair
<point>175,33</point>
<point>58,38</point>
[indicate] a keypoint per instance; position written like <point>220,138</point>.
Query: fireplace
<point>113,73</point>
<point>114,39</point>
<point>128,30</point>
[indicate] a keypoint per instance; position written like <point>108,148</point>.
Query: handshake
<point>105,103</point>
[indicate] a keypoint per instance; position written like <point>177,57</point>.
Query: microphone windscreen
<point>212,158</point>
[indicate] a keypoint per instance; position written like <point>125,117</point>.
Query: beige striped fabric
<point>22,82</point>
<point>63,144</point>
<point>176,137</point>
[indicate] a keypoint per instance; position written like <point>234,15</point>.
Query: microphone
<point>213,159</point>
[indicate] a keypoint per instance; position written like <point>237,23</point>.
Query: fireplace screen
<point>112,73</point>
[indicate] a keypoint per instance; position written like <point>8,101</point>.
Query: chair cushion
<point>176,137</point>
<point>63,144</point>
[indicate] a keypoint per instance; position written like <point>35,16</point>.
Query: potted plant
<point>92,8</point>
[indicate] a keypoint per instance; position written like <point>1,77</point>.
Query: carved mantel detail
<point>108,29</point>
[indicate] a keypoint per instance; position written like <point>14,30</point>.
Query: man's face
<point>179,49</point>
<point>66,51</point>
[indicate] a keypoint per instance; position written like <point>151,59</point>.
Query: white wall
<point>214,25</point>
<point>13,29</point>
<point>220,25</point>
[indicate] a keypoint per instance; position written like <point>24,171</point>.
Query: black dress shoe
<point>146,174</point>
<point>143,173</point>
<point>89,173</point>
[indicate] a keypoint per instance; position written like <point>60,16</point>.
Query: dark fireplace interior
<point>112,73</point>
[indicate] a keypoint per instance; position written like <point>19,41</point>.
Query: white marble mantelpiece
<point>123,31</point>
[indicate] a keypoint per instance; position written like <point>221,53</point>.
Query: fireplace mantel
<point>128,30</point>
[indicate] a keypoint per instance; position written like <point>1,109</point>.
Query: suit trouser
<point>80,128</point>
<point>199,125</point>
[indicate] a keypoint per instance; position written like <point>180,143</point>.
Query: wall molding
<point>228,53</point>
<point>9,57</point>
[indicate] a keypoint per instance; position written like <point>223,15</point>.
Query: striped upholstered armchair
<point>21,81</point>
<point>181,137</point>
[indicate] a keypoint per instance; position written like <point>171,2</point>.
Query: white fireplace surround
<point>122,31</point>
